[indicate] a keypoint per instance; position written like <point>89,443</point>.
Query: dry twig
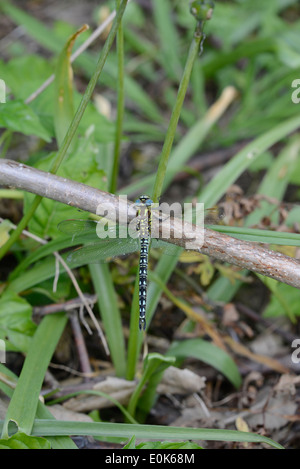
<point>217,245</point>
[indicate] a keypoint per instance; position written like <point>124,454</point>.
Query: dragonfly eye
<point>144,200</point>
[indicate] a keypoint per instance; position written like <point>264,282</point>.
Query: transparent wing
<point>115,242</point>
<point>80,231</point>
<point>92,231</point>
<point>102,251</point>
<point>77,226</point>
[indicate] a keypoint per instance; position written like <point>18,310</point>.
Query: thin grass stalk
<point>134,338</point>
<point>168,143</point>
<point>120,107</point>
<point>149,432</point>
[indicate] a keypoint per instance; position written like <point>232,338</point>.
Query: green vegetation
<point>173,91</point>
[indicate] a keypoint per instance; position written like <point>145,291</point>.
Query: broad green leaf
<point>19,117</point>
<point>47,38</point>
<point>50,213</point>
<point>22,441</point>
<point>25,74</point>
<point>16,326</point>
<point>100,127</point>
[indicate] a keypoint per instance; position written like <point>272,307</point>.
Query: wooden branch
<point>244,254</point>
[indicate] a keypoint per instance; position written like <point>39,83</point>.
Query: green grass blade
<point>169,40</point>
<point>33,27</point>
<point>63,85</point>
<point>154,366</point>
<point>275,182</point>
<point>242,160</point>
<point>57,442</point>
<point>93,392</point>
<point>274,185</point>
<point>168,143</point>
<point>23,405</point>
<point>259,236</point>
<point>40,272</point>
<point>110,314</point>
<point>184,150</point>
<point>249,49</point>
<point>208,353</point>
<point>150,432</point>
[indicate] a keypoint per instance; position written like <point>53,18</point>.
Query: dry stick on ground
<point>74,303</point>
<point>217,245</point>
<point>80,345</point>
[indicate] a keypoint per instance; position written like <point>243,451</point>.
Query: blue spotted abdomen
<point>143,268</point>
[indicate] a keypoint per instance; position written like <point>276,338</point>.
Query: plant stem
<point>163,162</point>
<point>120,107</point>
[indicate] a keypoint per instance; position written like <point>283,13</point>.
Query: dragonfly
<point>97,249</point>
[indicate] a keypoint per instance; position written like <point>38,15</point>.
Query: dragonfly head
<point>144,200</point>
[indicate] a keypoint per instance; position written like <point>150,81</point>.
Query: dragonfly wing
<point>81,231</point>
<point>76,226</point>
<point>102,251</point>
<point>91,231</point>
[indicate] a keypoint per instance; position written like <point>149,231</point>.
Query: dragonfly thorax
<point>143,217</point>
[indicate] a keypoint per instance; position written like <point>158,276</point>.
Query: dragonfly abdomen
<point>143,269</point>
